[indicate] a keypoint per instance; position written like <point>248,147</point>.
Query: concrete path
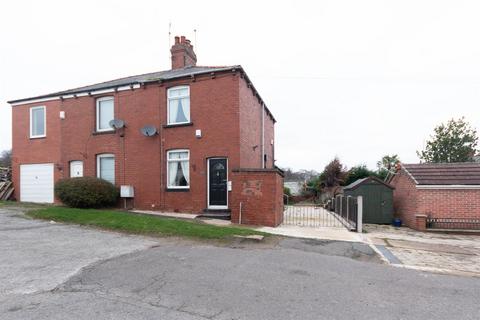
<point>320,233</point>
<point>178,215</point>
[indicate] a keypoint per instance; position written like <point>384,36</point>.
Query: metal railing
<point>349,210</point>
<point>305,215</point>
<point>453,223</point>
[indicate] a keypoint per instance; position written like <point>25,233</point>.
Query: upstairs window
<point>38,122</point>
<point>178,169</point>
<point>104,114</point>
<point>178,110</point>
<point>106,167</point>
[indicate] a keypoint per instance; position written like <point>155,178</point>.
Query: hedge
<point>86,192</point>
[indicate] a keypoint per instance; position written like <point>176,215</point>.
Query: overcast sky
<point>353,79</point>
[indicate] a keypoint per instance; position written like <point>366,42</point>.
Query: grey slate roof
<point>359,182</point>
<point>444,173</point>
<point>142,78</point>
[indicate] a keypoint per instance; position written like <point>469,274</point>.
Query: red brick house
<point>193,139</point>
<point>445,196</point>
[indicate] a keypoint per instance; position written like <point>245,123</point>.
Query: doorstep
<point>223,214</point>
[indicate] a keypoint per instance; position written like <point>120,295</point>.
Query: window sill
<point>188,124</point>
<point>39,137</point>
<point>97,133</point>
<point>177,190</point>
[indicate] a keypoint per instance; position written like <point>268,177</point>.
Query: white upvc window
<point>38,122</point>
<point>178,110</point>
<point>178,169</point>
<point>104,113</point>
<point>106,167</point>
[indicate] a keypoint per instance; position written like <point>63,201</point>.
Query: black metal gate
<point>341,212</point>
<point>310,216</point>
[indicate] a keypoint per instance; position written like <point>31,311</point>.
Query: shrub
<point>86,192</point>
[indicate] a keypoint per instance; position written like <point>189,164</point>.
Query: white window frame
<point>44,122</point>
<point>175,98</point>
<point>105,155</point>
<point>97,113</point>
<point>177,160</point>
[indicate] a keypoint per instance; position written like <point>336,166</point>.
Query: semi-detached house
<point>189,139</point>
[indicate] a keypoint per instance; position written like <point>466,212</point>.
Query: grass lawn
<point>139,224</point>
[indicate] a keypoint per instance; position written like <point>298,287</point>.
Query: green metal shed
<point>377,199</point>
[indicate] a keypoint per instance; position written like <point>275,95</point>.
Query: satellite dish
<point>117,123</point>
<point>149,131</point>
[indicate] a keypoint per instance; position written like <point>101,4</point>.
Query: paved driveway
<point>452,253</point>
<point>127,278</point>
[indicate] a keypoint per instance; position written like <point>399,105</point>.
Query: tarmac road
<point>54,271</point>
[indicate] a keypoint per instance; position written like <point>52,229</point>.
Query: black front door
<point>217,183</point>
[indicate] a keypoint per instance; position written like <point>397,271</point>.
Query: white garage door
<point>36,182</point>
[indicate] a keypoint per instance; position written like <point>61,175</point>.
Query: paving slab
<point>437,252</point>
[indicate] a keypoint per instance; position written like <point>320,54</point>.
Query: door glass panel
<point>218,182</point>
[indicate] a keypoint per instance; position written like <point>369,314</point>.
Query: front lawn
<point>139,224</point>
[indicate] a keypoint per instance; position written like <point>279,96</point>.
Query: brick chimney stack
<point>182,53</point>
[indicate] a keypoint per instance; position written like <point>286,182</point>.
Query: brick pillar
<point>421,222</point>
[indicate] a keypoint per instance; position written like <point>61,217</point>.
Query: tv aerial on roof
<point>149,131</point>
<point>117,123</point>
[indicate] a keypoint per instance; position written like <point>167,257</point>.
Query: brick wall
<point>404,198</point>
<point>251,130</point>
<point>260,195</point>
<point>449,203</point>
<point>140,160</point>
<point>436,203</point>
<point>34,151</point>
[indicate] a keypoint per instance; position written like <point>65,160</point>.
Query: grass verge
<point>139,224</point>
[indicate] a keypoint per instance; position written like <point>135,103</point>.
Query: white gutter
<point>448,187</point>
<point>70,96</point>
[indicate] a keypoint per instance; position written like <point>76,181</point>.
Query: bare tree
<point>6,158</point>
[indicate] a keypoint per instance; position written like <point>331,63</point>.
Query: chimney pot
<point>182,53</point>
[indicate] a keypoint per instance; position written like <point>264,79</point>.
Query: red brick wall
<point>38,150</point>
<point>436,203</point>
<point>404,198</point>
<point>260,193</point>
<point>140,160</point>
<point>251,130</point>
<point>449,203</point>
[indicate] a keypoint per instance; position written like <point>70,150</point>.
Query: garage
<point>36,182</point>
